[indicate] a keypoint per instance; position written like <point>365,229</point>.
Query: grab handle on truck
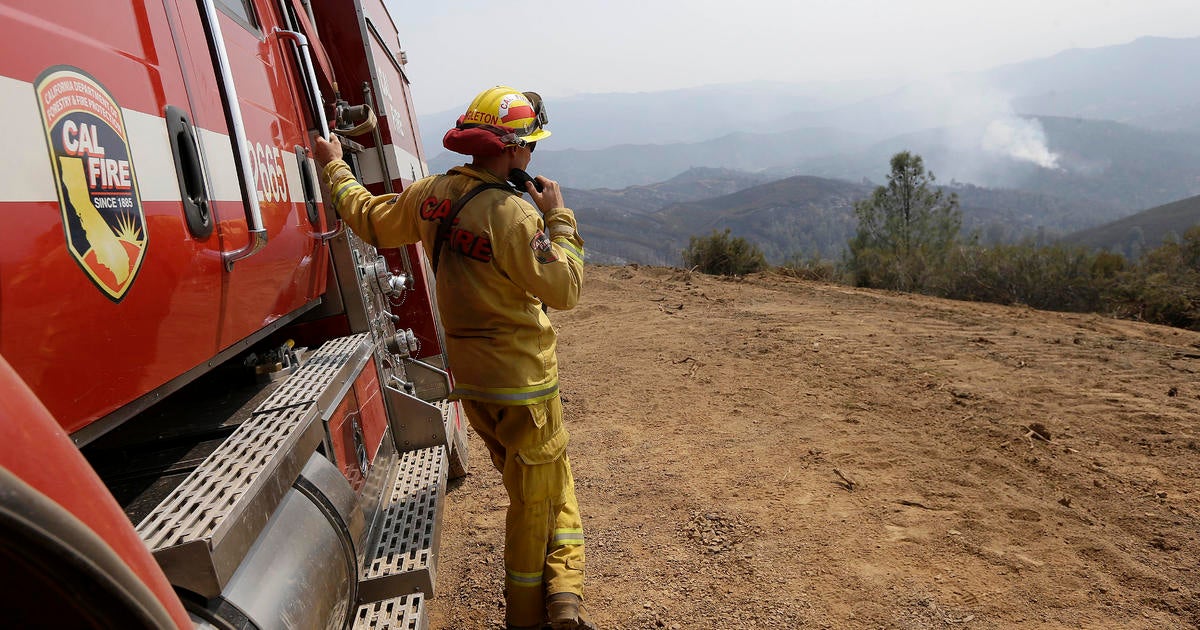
<point>338,228</point>
<point>300,42</point>
<point>309,182</point>
<point>237,128</point>
<point>190,171</point>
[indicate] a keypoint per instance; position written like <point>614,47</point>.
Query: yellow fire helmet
<point>498,117</point>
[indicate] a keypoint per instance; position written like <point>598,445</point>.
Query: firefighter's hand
<point>326,151</point>
<point>550,197</point>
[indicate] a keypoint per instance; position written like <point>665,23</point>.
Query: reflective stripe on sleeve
<point>567,536</point>
<point>344,188</point>
<point>521,578</point>
<point>571,250</point>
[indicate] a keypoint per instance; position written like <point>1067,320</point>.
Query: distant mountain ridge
<point>801,215</point>
<point>690,115</point>
<point>1148,79</point>
<point>629,165</point>
<point>1145,79</point>
<point>691,185</point>
<point>1119,168</point>
<point>1102,161</point>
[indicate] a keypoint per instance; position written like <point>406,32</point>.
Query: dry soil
<point>775,453</point>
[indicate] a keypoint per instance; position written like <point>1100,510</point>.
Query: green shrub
<point>1052,277</point>
<point>880,268</point>
<point>724,255</point>
<point>1164,286</point>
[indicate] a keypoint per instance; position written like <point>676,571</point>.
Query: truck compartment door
<point>240,41</point>
<point>107,294</point>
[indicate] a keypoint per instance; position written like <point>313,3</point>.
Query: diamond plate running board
<point>406,612</point>
<point>403,551</point>
<point>202,531</point>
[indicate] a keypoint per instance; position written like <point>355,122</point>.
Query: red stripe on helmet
<point>518,112</point>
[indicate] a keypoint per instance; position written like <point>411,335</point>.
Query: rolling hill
<point>807,214</point>
<point>801,215</point>
<point>633,164</point>
<point>804,214</point>
<point>691,185</point>
<point>1144,230</point>
<point>621,225</point>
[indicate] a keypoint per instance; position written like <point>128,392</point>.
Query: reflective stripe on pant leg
<point>565,557</point>
<point>566,536</point>
<point>520,579</point>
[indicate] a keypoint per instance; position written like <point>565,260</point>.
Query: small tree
<point>905,229</point>
<point>722,254</point>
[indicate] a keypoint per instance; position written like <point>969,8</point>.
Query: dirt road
<point>772,453</point>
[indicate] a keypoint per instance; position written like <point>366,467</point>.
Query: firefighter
<point>498,261</point>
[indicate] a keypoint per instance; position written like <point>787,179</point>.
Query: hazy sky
<point>459,47</point>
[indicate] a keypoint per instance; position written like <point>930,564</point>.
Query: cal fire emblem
<point>102,215</point>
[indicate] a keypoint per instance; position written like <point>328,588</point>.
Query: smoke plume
<point>1021,139</point>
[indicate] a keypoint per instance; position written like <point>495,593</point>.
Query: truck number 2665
<point>268,172</point>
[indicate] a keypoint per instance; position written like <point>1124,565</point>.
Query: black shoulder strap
<point>443,231</point>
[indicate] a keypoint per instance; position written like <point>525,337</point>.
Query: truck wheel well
<point>56,568</point>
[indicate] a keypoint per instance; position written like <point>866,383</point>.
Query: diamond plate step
<point>325,376</point>
<point>406,612</point>
<point>402,558</point>
<point>201,532</point>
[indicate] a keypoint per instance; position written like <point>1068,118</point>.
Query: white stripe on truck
<point>401,165</point>
<point>26,174</point>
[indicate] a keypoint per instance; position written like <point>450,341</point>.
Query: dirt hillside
<point>772,453</point>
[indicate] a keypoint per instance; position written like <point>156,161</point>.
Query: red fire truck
<point>218,408</point>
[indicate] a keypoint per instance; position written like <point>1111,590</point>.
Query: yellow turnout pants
<point>543,538</point>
